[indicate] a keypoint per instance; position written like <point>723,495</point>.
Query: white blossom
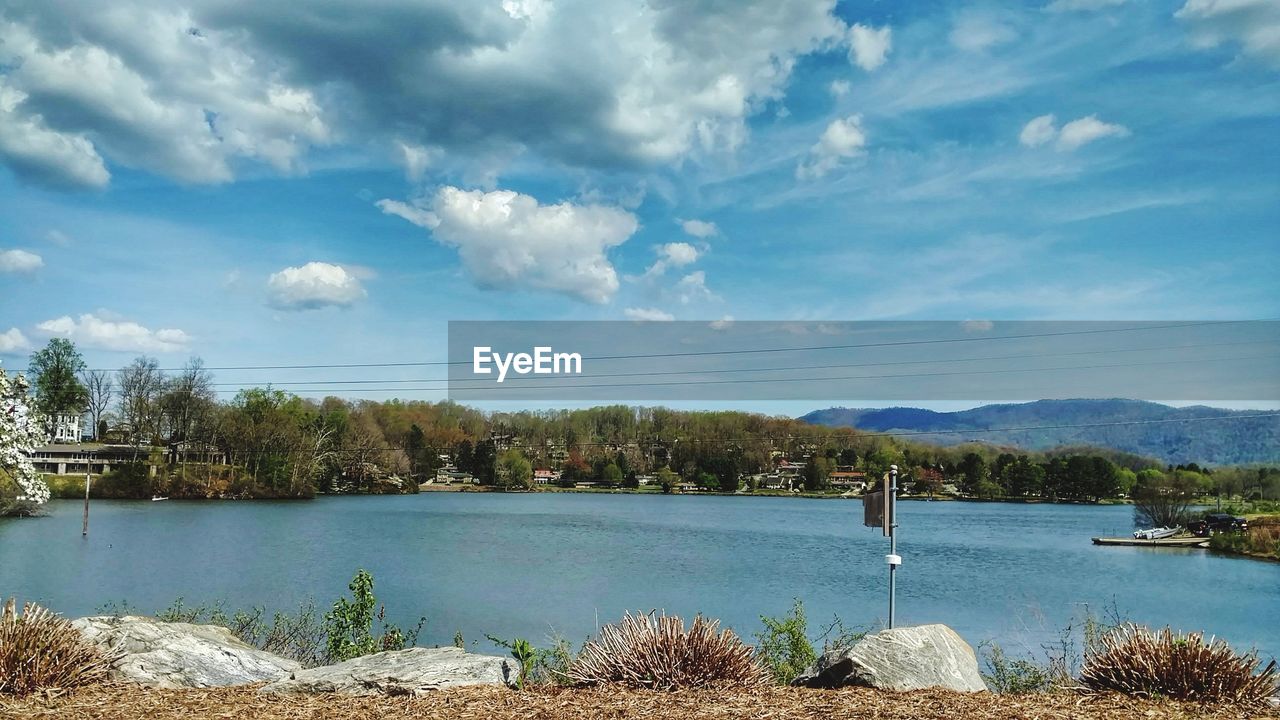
<point>21,433</point>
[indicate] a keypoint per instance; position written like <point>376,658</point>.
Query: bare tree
<point>188,400</point>
<point>102,390</point>
<point>1163,500</point>
<point>141,385</point>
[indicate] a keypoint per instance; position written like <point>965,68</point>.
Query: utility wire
<point>703,353</point>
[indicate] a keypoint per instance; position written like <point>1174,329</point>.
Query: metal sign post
<point>891,525</point>
<point>881,509</point>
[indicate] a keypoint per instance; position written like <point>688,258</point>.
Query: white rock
<point>401,672</point>
<point>181,655</point>
<point>908,658</point>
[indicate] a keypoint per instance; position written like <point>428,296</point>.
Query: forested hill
<point>1217,442</point>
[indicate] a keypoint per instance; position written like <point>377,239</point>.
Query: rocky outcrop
<point>181,655</point>
<point>401,672</point>
<point>908,658</point>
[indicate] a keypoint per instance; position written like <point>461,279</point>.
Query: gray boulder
<point>401,672</point>
<point>909,658</point>
<point>180,655</point>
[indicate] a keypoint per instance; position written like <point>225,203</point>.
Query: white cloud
<point>57,237</point>
<point>314,285</point>
<point>1072,135</point>
<point>12,340</point>
<point>677,254</point>
<point>648,315</point>
<point>843,138</point>
<point>1086,130</point>
<point>839,88</point>
<point>416,159</point>
<point>19,261</point>
<point>33,150</point>
<point>723,323</point>
<point>509,241</point>
<point>92,331</point>
<point>869,46</point>
<point>699,228</point>
<point>1038,131</point>
<point>1254,24</point>
<point>192,91</point>
<point>693,287</point>
<point>145,86</point>
<point>974,33</point>
<point>1081,5</point>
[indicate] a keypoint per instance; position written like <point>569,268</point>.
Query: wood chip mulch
<point>244,703</point>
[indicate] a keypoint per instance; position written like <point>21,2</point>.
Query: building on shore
<point>81,458</point>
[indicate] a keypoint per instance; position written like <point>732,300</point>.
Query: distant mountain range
<point>1155,431</point>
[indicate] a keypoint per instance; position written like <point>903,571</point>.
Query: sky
<point>327,182</point>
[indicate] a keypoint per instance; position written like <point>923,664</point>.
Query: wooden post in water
<point>84,530</point>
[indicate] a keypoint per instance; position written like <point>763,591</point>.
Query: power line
<point>703,353</point>
<point>766,369</point>
<point>740,381</point>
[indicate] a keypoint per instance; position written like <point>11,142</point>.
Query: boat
<point>1155,533</point>
<point>158,498</point>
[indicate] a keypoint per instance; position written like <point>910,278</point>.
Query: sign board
<point>873,509</point>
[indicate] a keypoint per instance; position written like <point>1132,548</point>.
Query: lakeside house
<point>848,479</point>
<point>545,476</point>
<point>80,458</point>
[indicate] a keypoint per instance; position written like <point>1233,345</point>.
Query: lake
<point>532,565</point>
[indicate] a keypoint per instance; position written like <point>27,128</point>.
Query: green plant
<point>524,654</point>
<point>300,636</point>
<point>348,626</point>
<point>1014,676</point>
<point>783,647</point>
<point>1138,661</point>
<point>41,650</point>
<point>458,641</point>
<point>644,651</point>
<point>538,666</point>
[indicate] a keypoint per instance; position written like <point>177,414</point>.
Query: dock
<point>1183,542</point>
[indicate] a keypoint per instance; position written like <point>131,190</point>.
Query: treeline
<point>265,442</point>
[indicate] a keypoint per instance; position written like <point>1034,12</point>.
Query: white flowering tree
<point>20,433</point>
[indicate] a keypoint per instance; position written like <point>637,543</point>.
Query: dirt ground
<point>110,702</point>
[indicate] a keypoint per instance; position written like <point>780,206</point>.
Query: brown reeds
<point>41,651</point>
<point>644,651</point>
<point>1138,661</point>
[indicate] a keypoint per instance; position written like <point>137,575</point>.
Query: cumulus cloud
<point>671,255</point>
<point>839,88</point>
<point>313,286</point>
<point>145,86</point>
<point>94,331</point>
<point>648,315</point>
<point>510,241</point>
<point>868,46</point>
<point>12,340</point>
<point>19,261</point>
<point>191,92</point>
<point>1086,130</point>
<point>1038,131</point>
<point>699,228</point>
<point>843,138</point>
<point>1074,134</point>
<point>693,287</point>
<point>1254,24</point>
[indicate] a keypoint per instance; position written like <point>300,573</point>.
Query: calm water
<point>533,565</point>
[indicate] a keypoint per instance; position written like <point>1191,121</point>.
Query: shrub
<point>539,666</point>
<point>41,650</point>
<point>349,625</point>
<point>644,651</point>
<point>783,647</point>
<point>1014,676</point>
<point>298,636</point>
<point>1137,661</point>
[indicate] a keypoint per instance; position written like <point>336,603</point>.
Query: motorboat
<point>1154,533</point>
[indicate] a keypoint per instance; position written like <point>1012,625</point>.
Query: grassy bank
<point>121,702</point>
<point>1262,540</point>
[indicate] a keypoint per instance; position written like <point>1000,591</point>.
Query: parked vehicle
<point>1217,523</point>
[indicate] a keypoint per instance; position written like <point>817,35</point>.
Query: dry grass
<point>1138,661</point>
<point>39,650</point>
<point>644,651</point>
<point>770,702</point>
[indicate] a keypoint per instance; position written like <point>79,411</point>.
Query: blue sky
<point>331,182</point>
